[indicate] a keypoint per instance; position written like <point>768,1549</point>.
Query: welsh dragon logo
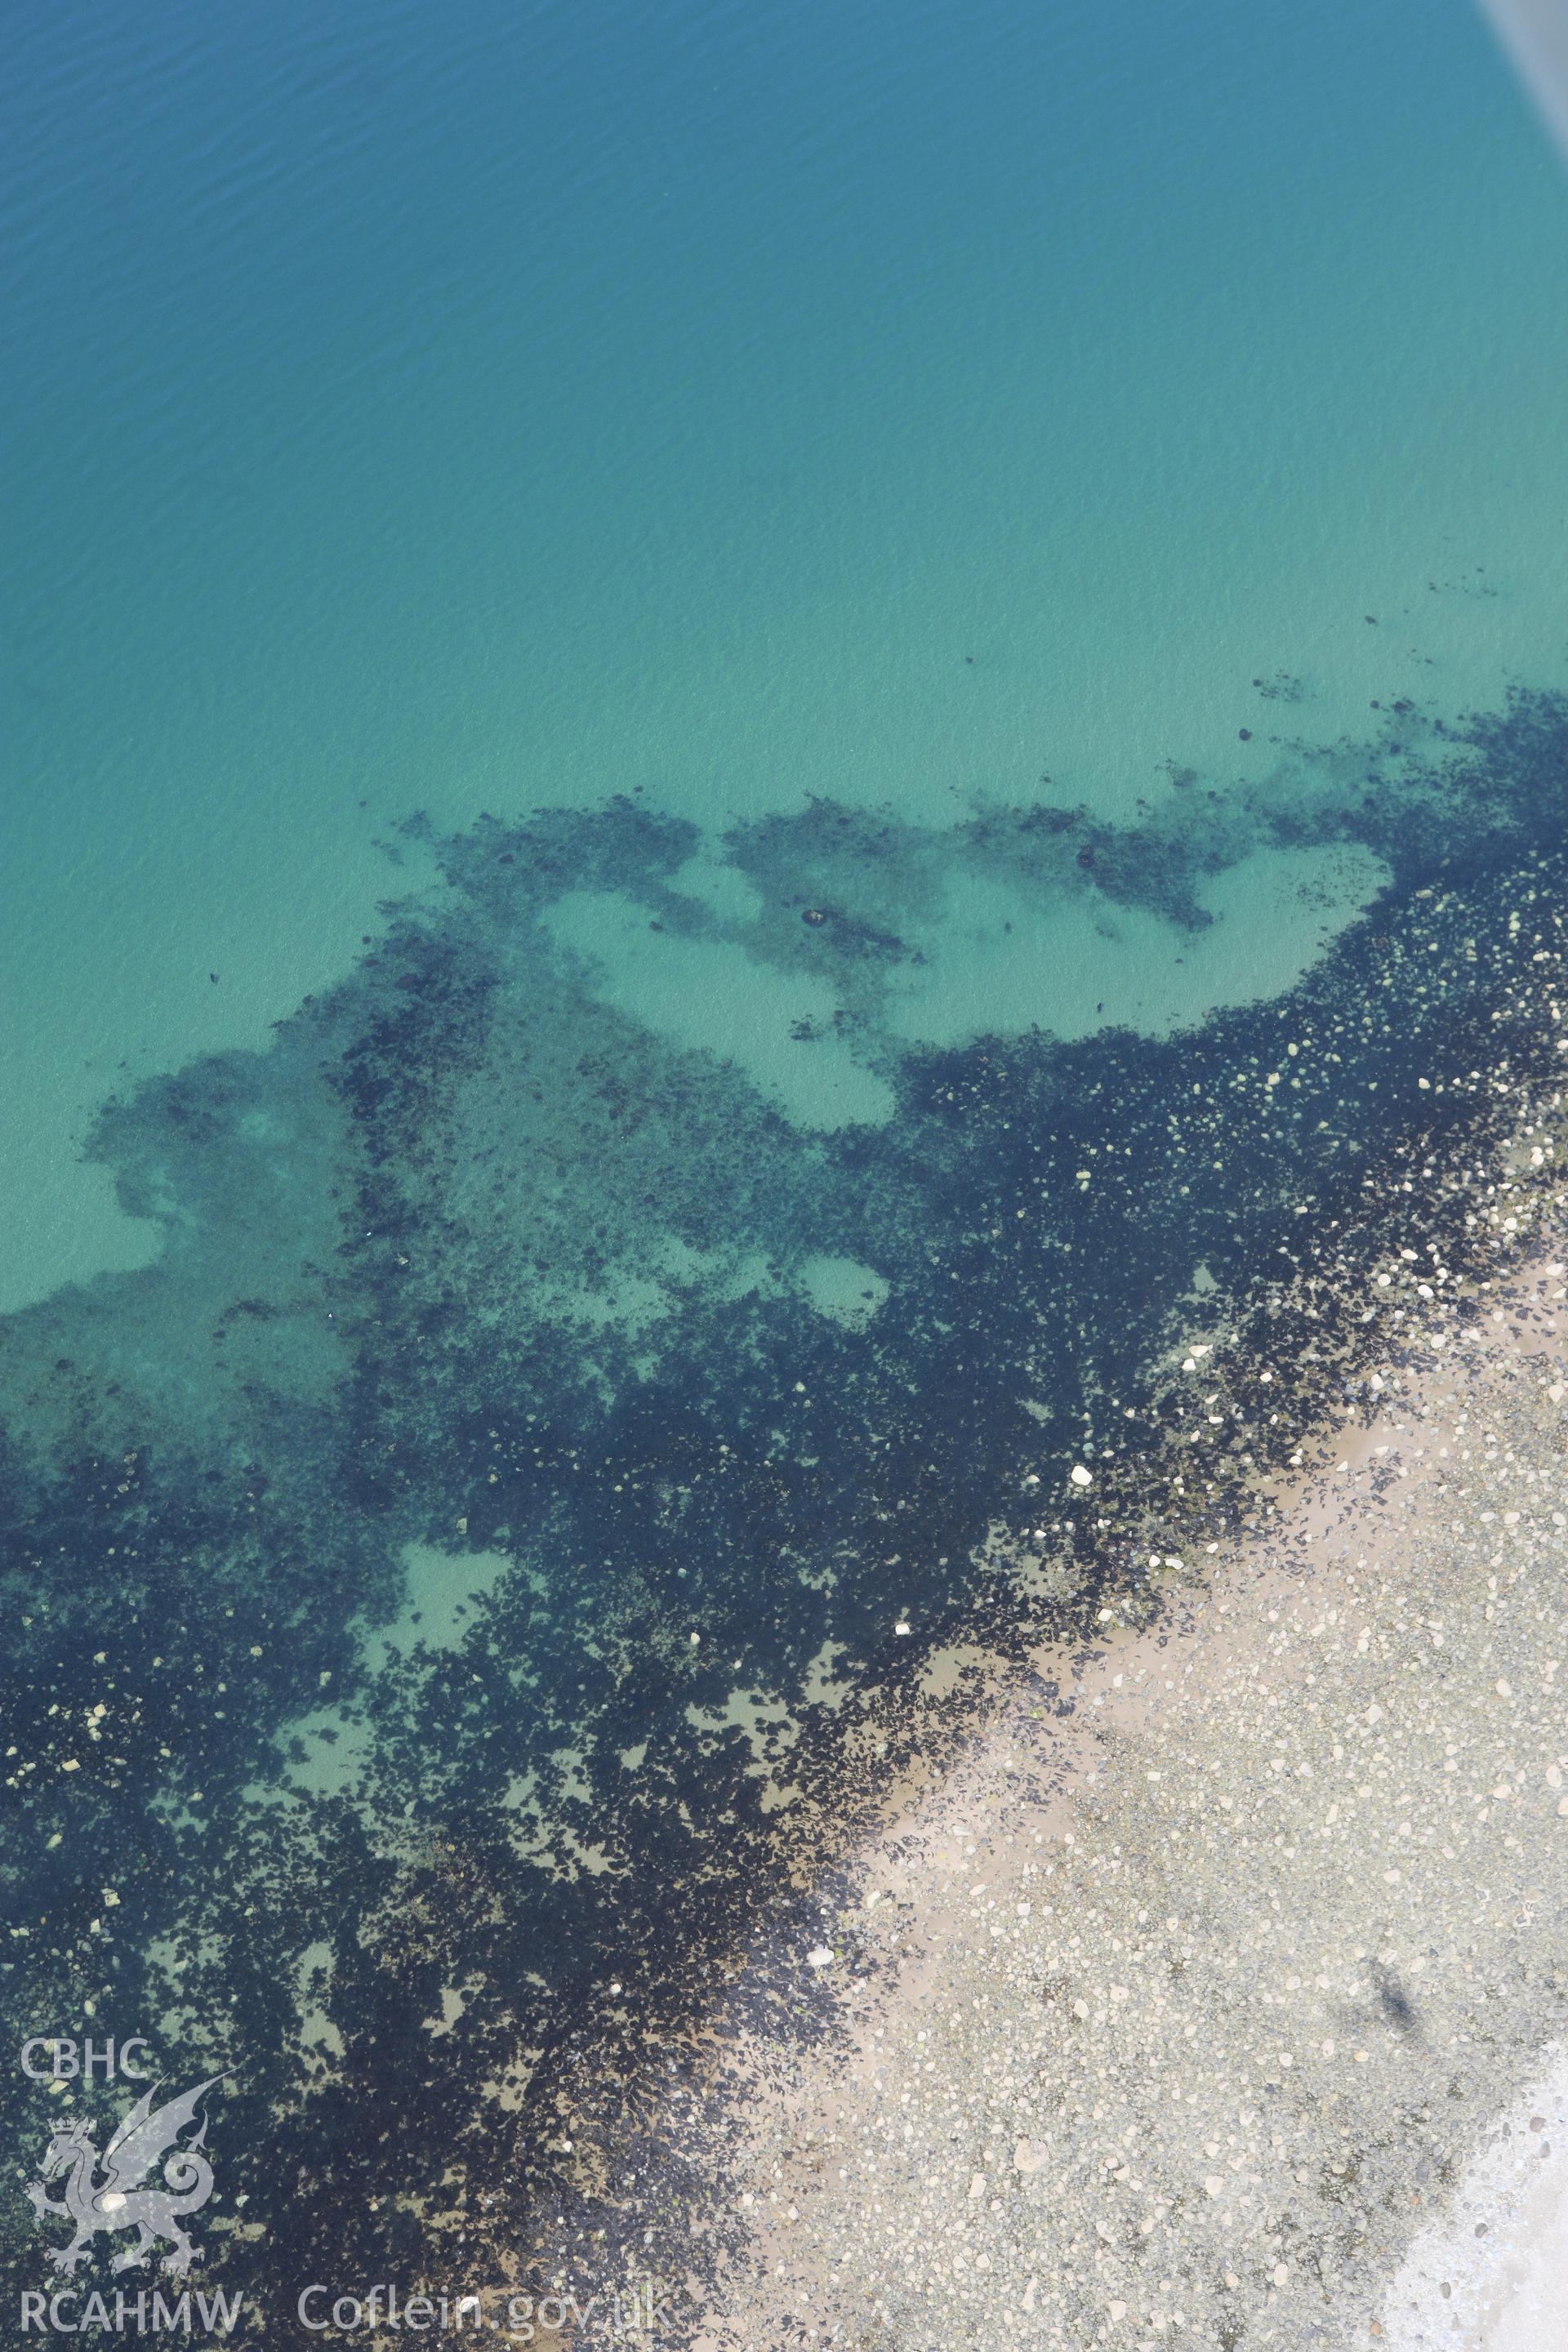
<point>112,2191</point>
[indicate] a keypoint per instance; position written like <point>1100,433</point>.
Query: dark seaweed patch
<point>406,1299</point>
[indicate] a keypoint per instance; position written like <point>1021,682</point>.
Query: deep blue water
<point>748,750</point>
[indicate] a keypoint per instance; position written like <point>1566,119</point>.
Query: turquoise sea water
<point>948,632</point>
<point>460,414</point>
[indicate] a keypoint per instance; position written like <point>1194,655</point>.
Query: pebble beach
<point>1215,1994</point>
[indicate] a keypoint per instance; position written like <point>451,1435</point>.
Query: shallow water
<point>734,408</point>
<point>748,755</point>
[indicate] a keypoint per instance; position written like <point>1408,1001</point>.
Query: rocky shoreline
<point>1180,2007</point>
